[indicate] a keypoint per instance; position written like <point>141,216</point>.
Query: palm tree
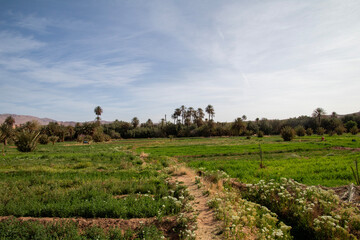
<point>238,126</point>
<point>7,131</point>
<point>135,122</point>
<point>173,116</point>
<point>198,117</point>
<point>177,113</point>
<point>98,111</point>
<point>334,115</point>
<point>149,123</point>
<point>318,112</point>
<point>210,110</point>
<point>200,113</point>
<point>190,113</point>
<point>183,113</point>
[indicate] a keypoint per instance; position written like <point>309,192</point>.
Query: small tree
<point>350,124</point>
<point>26,141</point>
<point>53,139</point>
<point>43,139</point>
<point>309,131</point>
<point>260,134</point>
<point>135,122</point>
<point>340,130</point>
<point>320,131</point>
<point>287,133</point>
<point>99,136</point>
<point>98,111</point>
<point>300,131</point>
<point>354,130</point>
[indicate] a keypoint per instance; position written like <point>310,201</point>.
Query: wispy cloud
<point>263,59</point>
<point>16,43</point>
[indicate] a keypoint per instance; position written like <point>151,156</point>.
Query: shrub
<point>350,124</point>
<point>107,138</point>
<point>43,139</point>
<point>260,134</point>
<point>309,131</point>
<point>53,139</point>
<point>287,133</point>
<point>114,135</point>
<point>81,138</point>
<point>88,138</point>
<point>300,131</point>
<point>26,141</point>
<point>248,134</point>
<point>320,131</point>
<point>340,130</point>
<point>98,137</point>
<point>354,130</point>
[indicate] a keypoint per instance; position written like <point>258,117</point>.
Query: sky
<point>272,59</point>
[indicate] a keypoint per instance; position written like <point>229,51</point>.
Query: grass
<point>99,180</point>
<point>113,180</point>
<point>306,159</point>
<point>15,229</point>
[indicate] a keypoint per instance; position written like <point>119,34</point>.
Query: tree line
<point>187,122</point>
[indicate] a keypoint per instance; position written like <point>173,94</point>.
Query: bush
<point>260,134</point>
<point>320,131</point>
<point>300,131</point>
<point>98,136</point>
<point>350,124</point>
<point>53,139</point>
<point>107,138</point>
<point>340,130</point>
<point>309,131</point>
<point>26,141</point>
<point>287,133</point>
<point>354,130</point>
<point>81,138</point>
<point>44,139</point>
<point>248,134</point>
<point>114,135</point>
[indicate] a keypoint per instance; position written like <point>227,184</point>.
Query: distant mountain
<point>21,119</point>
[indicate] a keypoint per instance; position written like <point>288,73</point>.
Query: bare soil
<point>347,148</point>
<point>207,226</point>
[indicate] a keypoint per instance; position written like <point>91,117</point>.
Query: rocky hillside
<point>21,119</point>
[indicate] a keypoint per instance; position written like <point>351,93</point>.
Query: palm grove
<point>186,122</point>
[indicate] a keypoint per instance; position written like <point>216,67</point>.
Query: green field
<point>115,180</point>
<point>306,159</point>
<point>89,181</point>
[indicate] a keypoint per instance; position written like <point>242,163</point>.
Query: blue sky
<point>273,59</point>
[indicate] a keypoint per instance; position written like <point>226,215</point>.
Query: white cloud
<point>16,43</point>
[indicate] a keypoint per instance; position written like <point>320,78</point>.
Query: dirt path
<point>207,226</point>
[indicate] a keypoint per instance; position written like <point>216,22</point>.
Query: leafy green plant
<point>26,141</point>
<point>356,173</point>
<point>287,133</point>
